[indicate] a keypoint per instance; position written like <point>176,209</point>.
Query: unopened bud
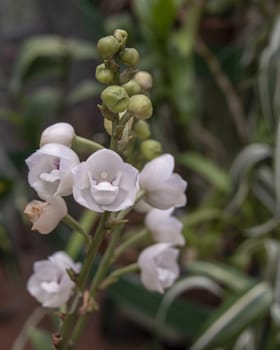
<point>129,56</point>
<point>62,133</point>
<point>103,74</point>
<point>144,79</point>
<point>140,106</point>
<point>108,46</point>
<point>151,149</point>
<point>142,129</point>
<point>132,87</point>
<point>115,98</point>
<point>121,36</point>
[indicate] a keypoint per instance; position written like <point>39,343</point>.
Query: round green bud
<point>142,129</point>
<point>140,106</point>
<point>121,36</point>
<point>103,74</point>
<point>129,56</point>
<point>115,98</point>
<point>108,46</point>
<point>132,87</point>
<point>144,79</point>
<point>151,149</point>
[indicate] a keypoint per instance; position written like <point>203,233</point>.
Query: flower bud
<point>144,79</point>
<point>45,216</point>
<point>121,36</point>
<point>140,106</point>
<point>115,98</point>
<point>62,133</point>
<point>142,129</point>
<point>107,46</point>
<point>151,149</point>
<point>129,56</point>
<point>103,74</point>
<point>132,87</point>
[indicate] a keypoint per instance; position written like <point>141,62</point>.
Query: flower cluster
<point>105,182</point>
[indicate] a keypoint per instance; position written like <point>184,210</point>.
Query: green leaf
<point>180,287</point>
<point>210,171</point>
<point>40,339</point>
<point>85,90</point>
<point>45,55</point>
<point>277,169</point>
<point>224,274</point>
<point>235,315</point>
<point>202,215</point>
<point>80,49</point>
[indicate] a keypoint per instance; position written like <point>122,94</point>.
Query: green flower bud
<point>103,74</point>
<point>115,98</point>
<point>142,129</point>
<point>144,79</point>
<point>129,56</point>
<point>140,106</point>
<point>131,87</point>
<point>151,149</point>
<point>121,36</point>
<point>108,46</point>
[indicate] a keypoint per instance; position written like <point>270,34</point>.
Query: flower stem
<point>102,269</point>
<point>75,225</point>
<point>114,141</point>
<point>115,275</point>
<point>130,242</point>
<point>91,254</point>
<point>82,142</point>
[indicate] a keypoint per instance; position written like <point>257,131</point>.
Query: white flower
<point>105,182</point>
<point>159,267</point>
<point>163,188</point>
<point>62,133</point>
<point>50,170</point>
<point>50,283</point>
<point>45,216</point>
<point>164,227</point>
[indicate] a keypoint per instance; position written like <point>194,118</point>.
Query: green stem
<point>76,241</point>
<point>102,269</point>
<point>75,225</point>
<point>114,141</point>
<point>123,213</point>
<point>115,275</point>
<point>95,244</point>
<point>134,239</point>
<point>83,143</point>
<point>91,254</point>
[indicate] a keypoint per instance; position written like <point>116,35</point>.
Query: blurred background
<point>216,94</point>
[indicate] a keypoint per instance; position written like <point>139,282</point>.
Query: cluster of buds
<point>105,182</point>
<point>127,96</point>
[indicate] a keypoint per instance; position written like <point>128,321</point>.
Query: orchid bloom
<point>62,133</point>
<point>50,170</point>
<point>159,267</point>
<point>105,182</point>
<point>45,216</point>
<point>163,188</point>
<point>164,227</point>
<point>50,283</point>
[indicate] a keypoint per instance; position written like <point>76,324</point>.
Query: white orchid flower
<point>50,170</point>
<point>164,227</point>
<point>45,216</point>
<point>159,267</point>
<point>105,182</point>
<point>62,133</point>
<point>50,283</point>
<point>163,188</point>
